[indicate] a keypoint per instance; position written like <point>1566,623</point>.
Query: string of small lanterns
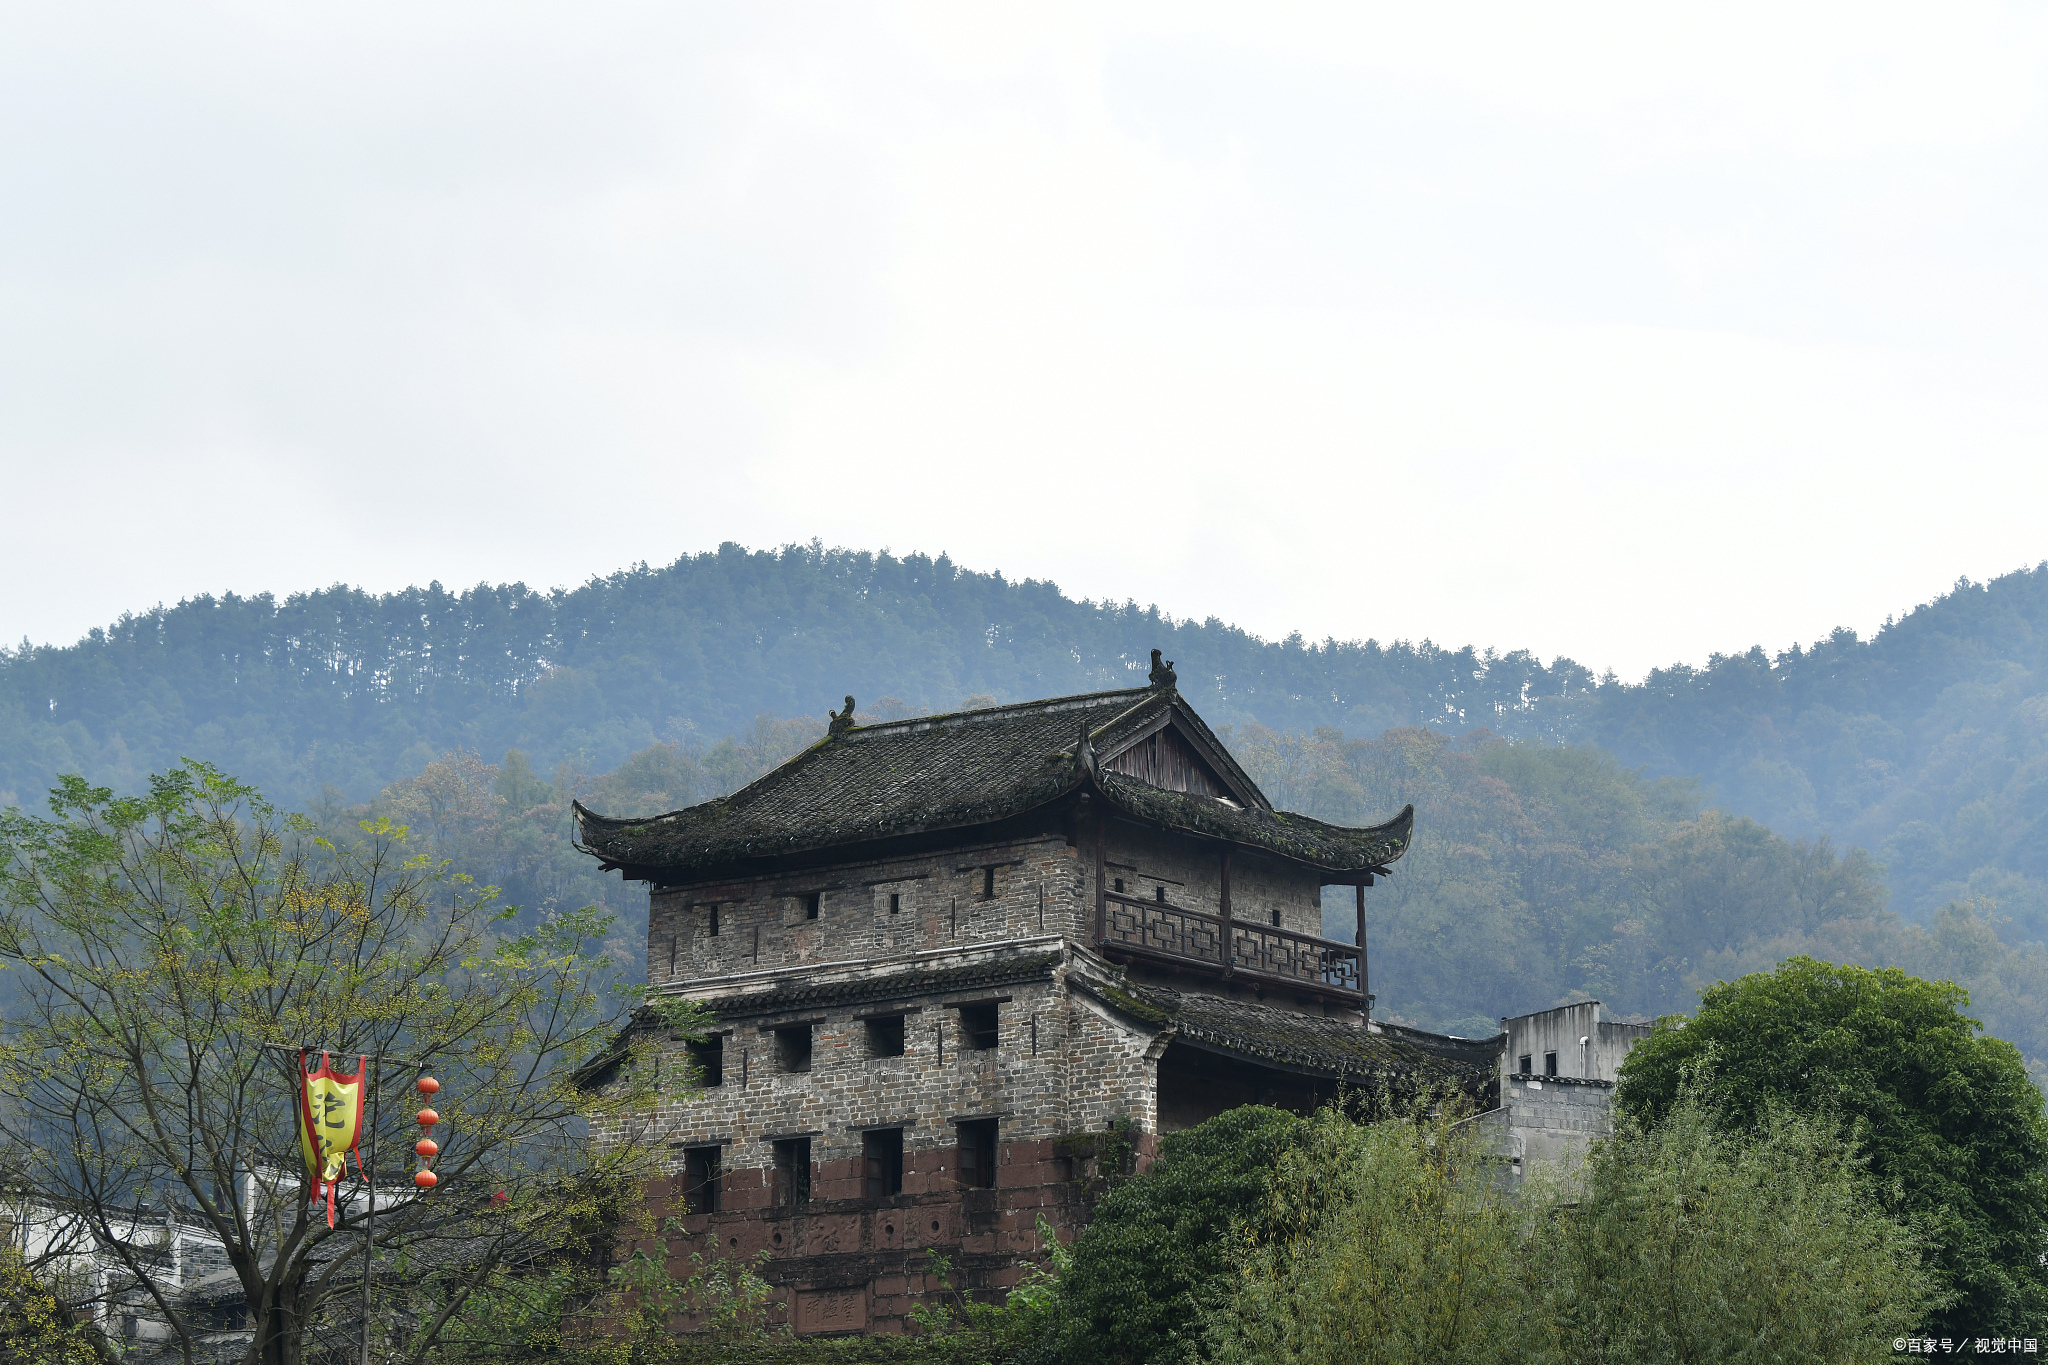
<point>426,1147</point>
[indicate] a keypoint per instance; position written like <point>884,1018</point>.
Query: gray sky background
<point>1631,333</point>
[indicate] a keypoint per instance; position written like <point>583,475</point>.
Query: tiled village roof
<point>1329,1048</point>
<point>867,782</point>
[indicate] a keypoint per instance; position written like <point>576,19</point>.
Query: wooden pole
<point>370,1217</point>
<point>1229,933</point>
<point>1364,982</point>
<point>1101,886</point>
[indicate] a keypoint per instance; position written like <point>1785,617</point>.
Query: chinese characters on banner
<point>330,1124</point>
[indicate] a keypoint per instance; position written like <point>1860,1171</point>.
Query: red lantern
<point>428,1118</point>
<point>427,1147</point>
<point>426,1180</point>
<point>428,1085</point>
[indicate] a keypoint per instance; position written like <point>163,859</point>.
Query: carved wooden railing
<point>1192,939</point>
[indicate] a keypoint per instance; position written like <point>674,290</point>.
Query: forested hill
<point>1927,744</point>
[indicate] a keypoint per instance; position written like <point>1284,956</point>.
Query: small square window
<point>792,1172</point>
<point>793,1048</point>
<point>978,1027</point>
<point>881,1152</point>
<point>1550,1063</point>
<point>707,1060</point>
<point>813,903</point>
<point>700,1179</point>
<point>1522,1064</point>
<point>885,1036</point>
<point>977,1161</point>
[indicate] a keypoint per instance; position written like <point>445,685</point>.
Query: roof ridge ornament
<point>1162,671</point>
<point>1085,764</point>
<point>842,721</point>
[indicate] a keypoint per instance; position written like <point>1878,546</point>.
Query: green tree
<point>1949,1117</point>
<point>1695,1244</point>
<point>170,951</point>
<point>1382,1244</point>
<point>34,1329</point>
<point>1156,1259</point>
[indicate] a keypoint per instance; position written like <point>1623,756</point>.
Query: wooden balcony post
<point>1229,937</point>
<point>1101,902</point>
<point>1364,994</point>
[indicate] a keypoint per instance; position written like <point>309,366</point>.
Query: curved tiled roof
<point>1331,1048</point>
<point>971,768</point>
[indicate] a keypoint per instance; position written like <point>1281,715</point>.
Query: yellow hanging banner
<point>330,1124</point>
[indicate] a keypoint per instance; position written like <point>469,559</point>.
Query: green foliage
<point>34,1329</point>
<point>1155,1258</point>
<point>1334,1242</point>
<point>1390,1242</point>
<point>1695,1244</point>
<point>1949,1117</point>
<point>722,1301</point>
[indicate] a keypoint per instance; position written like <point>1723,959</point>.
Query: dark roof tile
<point>957,771</point>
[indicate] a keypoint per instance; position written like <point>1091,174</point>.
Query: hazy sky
<point>1630,333</point>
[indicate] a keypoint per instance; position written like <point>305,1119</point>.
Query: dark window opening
<point>1159,894</point>
<point>700,1179</point>
<point>885,1037</point>
<point>978,1154</point>
<point>881,1152</point>
<point>978,1027</point>
<point>1119,886</point>
<point>714,921</point>
<point>707,1059</point>
<point>895,902</point>
<point>1522,1063</point>
<point>988,883</point>
<point>793,1048</point>
<point>1550,1063</point>
<point>1276,919</point>
<point>812,904</point>
<point>792,1172</point>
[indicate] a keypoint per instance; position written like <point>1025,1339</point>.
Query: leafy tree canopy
<point>1154,1260</point>
<point>1948,1116</point>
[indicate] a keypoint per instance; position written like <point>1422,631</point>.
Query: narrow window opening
<point>793,1048</point>
<point>707,1059</point>
<point>895,902</point>
<point>1119,886</point>
<point>881,1152</point>
<point>988,883</point>
<point>1276,919</point>
<point>812,903</point>
<point>1159,894</point>
<point>714,921</point>
<point>792,1172</point>
<point>885,1037</point>
<point>977,1161</point>
<point>978,1027</point>
<point>1522,1063</point>
<point>1550,1063</point>
<point>700,1179</point>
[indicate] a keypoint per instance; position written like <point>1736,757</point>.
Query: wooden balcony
<point>1190,940</point>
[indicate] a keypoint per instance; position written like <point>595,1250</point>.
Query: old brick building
<point>947,953</point>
